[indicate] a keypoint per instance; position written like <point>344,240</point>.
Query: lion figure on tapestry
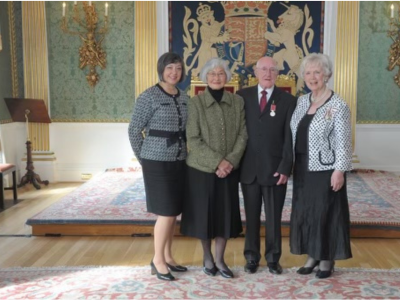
<point>211,33</point>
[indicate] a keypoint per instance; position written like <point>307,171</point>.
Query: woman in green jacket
<point>216,139</point>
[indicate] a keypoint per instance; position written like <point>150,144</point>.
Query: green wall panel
<point>378,96</point>
<point>5,56</point>
<point>71,97</point>
<point>5,62</point>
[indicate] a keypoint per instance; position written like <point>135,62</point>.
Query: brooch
<point>330,113</point>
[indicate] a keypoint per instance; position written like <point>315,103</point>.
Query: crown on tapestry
<point>203,9</point>
<point>240,8</point>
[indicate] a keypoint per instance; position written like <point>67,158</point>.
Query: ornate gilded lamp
<point>394,33</point>
<point>91,53</point>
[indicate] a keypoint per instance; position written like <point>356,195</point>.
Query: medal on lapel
<point>273,109</point>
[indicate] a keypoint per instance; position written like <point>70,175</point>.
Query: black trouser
<point>274,199</point>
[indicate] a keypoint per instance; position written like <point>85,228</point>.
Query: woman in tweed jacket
<point>157,136</point>
<point>217,136</point>
<point>321,131</point>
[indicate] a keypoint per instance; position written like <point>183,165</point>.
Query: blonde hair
<point>318,59</point>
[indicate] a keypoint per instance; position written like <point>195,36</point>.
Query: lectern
<point>28,110</point>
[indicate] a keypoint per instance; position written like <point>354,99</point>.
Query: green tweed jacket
<point>215,131</point>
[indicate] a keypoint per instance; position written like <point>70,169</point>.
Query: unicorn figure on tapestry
<point>211,33</point>
<point>289,24</point>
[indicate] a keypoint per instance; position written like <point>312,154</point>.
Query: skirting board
<point>145,230</point>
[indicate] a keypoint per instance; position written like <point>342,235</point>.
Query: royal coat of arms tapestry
<point>241,32</point>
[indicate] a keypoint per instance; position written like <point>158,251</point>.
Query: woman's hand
<point>337,180</point>
<point>224,169</point>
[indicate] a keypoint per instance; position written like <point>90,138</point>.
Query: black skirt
<point>320,218</point>
<point>164,184</point>
<point>211,207</point>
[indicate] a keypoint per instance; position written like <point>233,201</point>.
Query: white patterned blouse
<point>329,134</point>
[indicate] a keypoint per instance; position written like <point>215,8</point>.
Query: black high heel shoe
<point>177,268</point>
<point>327,273</point>
<point>210,272</point>
<point>307,270</point>
<point>167,277</point>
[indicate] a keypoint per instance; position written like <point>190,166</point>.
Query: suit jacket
<point>269,145</point>
<point>156,110</point>
<point>215,131</point>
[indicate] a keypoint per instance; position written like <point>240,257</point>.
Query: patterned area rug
<point>137,283</point>
<point>117,197</point>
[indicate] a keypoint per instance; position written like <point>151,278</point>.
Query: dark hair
<point>169,58</point>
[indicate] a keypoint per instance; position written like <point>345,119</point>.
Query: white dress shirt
<point>269,93</point>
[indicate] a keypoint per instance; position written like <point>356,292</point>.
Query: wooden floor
<point>19,248</point>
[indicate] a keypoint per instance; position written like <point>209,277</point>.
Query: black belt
<point>172,136</point>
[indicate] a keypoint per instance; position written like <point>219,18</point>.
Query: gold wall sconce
<point>91,53</point>
<point>394,34</point>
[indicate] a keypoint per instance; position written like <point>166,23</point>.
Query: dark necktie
<point>263,101</point>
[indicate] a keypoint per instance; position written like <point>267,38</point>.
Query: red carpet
<point>118,197</point>
<point>137,283</point>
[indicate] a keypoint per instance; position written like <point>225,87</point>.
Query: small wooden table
<point>4,170</point>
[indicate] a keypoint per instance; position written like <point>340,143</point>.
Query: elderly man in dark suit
<point>266,164</point>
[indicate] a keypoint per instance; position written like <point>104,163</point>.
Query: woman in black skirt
<point>216,135</point>
<point>321,129</point>
<point>157,135</point>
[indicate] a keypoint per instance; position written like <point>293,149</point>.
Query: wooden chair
<point>197,86</point>
<point>4,170</point>
<point>284,82</point>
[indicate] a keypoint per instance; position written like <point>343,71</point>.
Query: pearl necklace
<point>316,100</point>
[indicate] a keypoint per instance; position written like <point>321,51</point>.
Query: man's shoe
<point>275,268</point>
<point>251,266</point>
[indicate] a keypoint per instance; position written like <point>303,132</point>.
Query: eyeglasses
<point>212,74</point>
<point>266,70</point>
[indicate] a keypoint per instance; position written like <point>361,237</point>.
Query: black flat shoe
<point>226,273</point>
<point>210,272</point>
<point>167,277</point>
<point>177,268</point>
<point>327,273</point>
<point>307,270</point>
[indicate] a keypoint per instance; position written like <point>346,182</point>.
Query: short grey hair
<point>273,60</point>
<point>211,65</point>
<point>318,59</point>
